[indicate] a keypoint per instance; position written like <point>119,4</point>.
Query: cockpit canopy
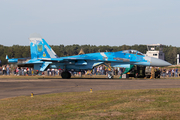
<point>133,52</point>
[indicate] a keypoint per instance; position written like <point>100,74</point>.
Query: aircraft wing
<point>63,59</point>
<point>83,61</point>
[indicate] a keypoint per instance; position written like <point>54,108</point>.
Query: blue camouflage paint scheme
<point>85,61</point>
<point>43,57</point>
<point>39,53</point>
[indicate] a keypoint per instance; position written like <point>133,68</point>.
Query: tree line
<point>17,51</point>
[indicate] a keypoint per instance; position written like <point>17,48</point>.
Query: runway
<point>12,88</point>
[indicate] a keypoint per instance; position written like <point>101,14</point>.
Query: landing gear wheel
<point>66,75</point>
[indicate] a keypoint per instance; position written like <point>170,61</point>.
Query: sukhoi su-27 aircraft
<point>43,57</point>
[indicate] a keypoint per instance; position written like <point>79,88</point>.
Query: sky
<point>92,22</point>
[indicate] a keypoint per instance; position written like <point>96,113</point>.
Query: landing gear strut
<point>66,75</point>
<point>110,74</point>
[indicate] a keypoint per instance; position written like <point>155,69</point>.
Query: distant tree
<point>17,51</point>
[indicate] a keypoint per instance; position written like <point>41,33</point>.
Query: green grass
<point>155,104</point>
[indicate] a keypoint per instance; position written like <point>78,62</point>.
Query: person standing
<point>8,69</point>
<point>17,71</point>
<point>172,72</point>
<point>169,72</point>
<point>176,72</point>
<point>164,72</point>
<point>4,69</point>
<point>152,73</point>
<point>98,69</point>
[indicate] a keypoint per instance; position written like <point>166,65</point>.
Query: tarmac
<point>12,88</point>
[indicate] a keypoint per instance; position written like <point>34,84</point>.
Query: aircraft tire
<point>66,75</point>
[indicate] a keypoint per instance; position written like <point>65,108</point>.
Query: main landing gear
<point>66,75</point>
<point>110,74</point>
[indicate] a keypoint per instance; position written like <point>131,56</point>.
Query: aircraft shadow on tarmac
<point>75,78</point>
<point>98,78</point>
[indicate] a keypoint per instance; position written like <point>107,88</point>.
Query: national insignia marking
<point>40,48</point>
<point>44,54</point>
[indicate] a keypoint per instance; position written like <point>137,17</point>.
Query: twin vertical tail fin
<point>39,47</point>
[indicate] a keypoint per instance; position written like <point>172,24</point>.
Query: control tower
<point>155,50</point>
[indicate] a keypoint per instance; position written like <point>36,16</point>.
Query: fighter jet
<point>43,57</point>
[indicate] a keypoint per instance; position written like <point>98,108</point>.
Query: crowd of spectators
<point>171,72</point>
<point>24,71</point>
<point>99,70</point>
<point>103,70</point>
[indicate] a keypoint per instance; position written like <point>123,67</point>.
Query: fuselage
<point>88,61</point>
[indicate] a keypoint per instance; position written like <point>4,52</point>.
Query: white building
<point>155,50</point>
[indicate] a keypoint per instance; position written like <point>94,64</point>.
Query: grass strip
<point>116,104</point>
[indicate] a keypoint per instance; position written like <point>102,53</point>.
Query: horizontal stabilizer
<point>14,60</point>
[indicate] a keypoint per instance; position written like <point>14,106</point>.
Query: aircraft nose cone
<point>159,63</point>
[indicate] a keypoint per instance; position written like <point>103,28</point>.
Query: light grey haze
<point>94,22</point>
